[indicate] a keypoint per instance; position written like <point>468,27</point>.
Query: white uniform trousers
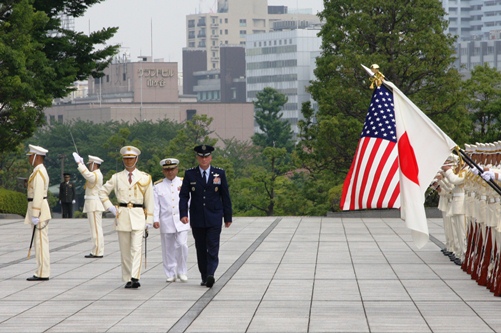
<point>174,253</point>
<point>42,254</point>
<point>459,226</point>
<point>96,232</point>
<point>448,232</point>
<point>131,248</point>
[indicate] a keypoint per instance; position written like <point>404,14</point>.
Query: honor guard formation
<point>469,199</point>
<point>200,201</point>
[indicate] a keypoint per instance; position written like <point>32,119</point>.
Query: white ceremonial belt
<point>458,194</point>
<point>91,197</point>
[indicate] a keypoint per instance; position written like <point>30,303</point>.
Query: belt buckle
<point>130,205</point>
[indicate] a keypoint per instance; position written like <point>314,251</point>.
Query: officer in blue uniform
<point>210,204</point>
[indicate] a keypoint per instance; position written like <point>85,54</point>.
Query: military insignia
<point>193,189</point>
<point>204,147</point>
<point>216,189</point>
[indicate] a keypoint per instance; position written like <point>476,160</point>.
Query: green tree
<point>41,60</point>
<point>258,192</point>
<point>407,40</point>
<point>195,131</point>
<point>275,132</point>
<point>483,90</point>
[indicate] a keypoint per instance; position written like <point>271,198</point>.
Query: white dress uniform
<point>458,211</point>
<point>93,206</point>
<point>134,212</point>
<point>38,206</point>
<point>174,233</point>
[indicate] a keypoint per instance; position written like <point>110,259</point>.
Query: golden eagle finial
<point>377,78</point>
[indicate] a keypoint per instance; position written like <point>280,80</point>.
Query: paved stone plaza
<point>276,274</point>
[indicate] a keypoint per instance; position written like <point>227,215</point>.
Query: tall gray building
<point>477,23</point>
<point>283,60</point>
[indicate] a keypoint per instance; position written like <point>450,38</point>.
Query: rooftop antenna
<point>151,29</point>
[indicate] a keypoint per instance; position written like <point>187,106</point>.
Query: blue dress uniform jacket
<point>210,203</point>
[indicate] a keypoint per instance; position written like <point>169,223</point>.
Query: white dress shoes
<point>171,279</point>
<point>183,277</point>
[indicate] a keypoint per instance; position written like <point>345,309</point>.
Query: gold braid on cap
<point>377,78</point>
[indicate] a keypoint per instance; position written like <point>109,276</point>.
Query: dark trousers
<point>67,208</point>
<point>207,246</point>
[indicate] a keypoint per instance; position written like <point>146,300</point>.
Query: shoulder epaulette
<point>158,181</point>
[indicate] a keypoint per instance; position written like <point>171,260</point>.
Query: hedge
<point>12,202</point>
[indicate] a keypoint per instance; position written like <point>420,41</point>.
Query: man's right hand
<point>35,220</point>
<point>184,219</point>
<point>77,158</point>
<point>113,210</point>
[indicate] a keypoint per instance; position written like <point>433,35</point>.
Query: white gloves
<point>77,158</point>
<point>113,210</point>
<point>74,202</point>
<point>35,220</point>
<point>488,175</point>
<point>475,171</point>
<point>149,226</point>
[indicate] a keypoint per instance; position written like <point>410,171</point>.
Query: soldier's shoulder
<point>218,168</point>
<point>158,182</point>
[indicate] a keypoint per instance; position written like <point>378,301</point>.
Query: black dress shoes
<point>210,281</point>
<point>92,256</point>
<point>134,284</point>
<point>36,278</point>
<point>203,283</point>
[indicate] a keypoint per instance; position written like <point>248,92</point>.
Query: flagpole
<point>472,164</point>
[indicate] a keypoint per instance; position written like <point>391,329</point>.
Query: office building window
<point>190,113</point>
<point>60,118</point>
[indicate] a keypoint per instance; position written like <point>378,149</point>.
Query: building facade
<point>283,60</point>
<point>148,91</point>
<point>477,25</point>
<point>230,25</point>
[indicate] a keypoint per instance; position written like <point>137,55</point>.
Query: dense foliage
<point>41,59</point>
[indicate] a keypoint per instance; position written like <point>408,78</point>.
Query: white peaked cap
<point>95,159</point>
<point>37,150</point>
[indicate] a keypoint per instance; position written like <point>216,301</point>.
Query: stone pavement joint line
<point>186,320</point>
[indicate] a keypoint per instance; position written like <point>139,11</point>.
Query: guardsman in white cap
<point>173,232</point>
<point>38,212</point>
<point>93,206</point>
<point>134,213</point>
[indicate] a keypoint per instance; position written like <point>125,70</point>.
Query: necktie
<point>204,175</point>
<point>130,177</point>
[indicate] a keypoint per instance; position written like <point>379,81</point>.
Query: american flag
<point>373,179</point>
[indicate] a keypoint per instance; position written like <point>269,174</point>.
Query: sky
<point>157,27</point>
